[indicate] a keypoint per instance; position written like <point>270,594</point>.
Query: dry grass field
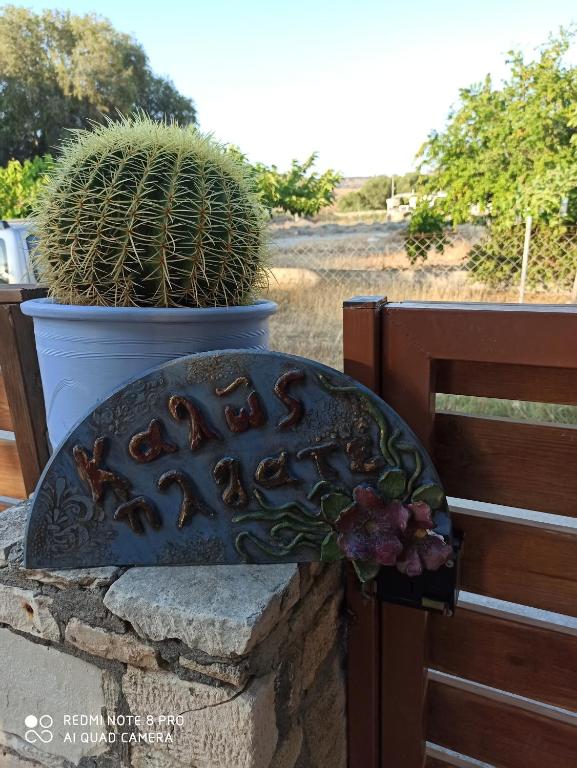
<point>309,319</point>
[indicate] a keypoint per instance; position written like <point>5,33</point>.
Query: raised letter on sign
<point>181,408</point>
<point>272,471</point>
<point>227,473</point>
<point>295,407</point>
<point>130,512</point>
<point>189,504</point>
<point>149,445</point>
<point>96,477</point>
<point>318,454</point>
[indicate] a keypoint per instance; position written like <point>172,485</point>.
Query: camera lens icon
<point>39,729</point>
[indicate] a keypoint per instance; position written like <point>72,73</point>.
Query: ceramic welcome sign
<point>242,456</point>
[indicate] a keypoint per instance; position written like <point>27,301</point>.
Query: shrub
<point>372,196</point>
<point>552,262</point>
<point>20,184</point>
<point>425,232</point>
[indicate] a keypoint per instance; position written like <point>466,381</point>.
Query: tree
<point>511,150</point>
<point>299,191</point>
<point>59,71</point>
<point>372,196</point>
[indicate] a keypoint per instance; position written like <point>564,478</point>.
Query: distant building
<point>404,202</point>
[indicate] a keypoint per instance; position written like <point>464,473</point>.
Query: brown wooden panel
<point>433,762</point>
<point>404,680</point>
<point>514,335</point>
<point>509,382</point>
<point>507,462</point>
<point>498,732</point>
<point>5,419</point>
<point>361,350</point>
<point>362,339</point>
<point>520,563</point>
<point>24,389</point>
<point>11,482</point>
<point>527,660</point>
<point>406,385</point>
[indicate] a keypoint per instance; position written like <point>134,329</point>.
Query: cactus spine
<point>140,213</point>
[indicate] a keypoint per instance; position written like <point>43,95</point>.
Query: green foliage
<point>299,191</point>
<point>373,195</point>
<point>141,213</point>
<point>511,150</point>
<point>20,184</point>
<point>59,70</point>
<point>425,232</point>
<point>497,260</point>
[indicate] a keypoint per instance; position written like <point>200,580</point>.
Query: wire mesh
<point>316,265</point>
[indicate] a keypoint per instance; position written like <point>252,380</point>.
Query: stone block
<point>221,727</point>
<point>12,526</point>
<point>28,611</point>
<point>223,610</point>
<point>110,645</point>
<point>289,751</point>
<point>233,674</point>
<point>38,680</point>
<point>13,760</point>
<point>324,718</point>
<point>87,578</point>
<point>321,639</point>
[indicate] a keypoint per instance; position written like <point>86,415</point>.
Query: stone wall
<point>203,667</point>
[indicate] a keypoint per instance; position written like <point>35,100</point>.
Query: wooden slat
<point>404,681</point>
<point>407,386</point>
<point>509,382</point>
<point>497,333</point>
<point>518,563</point>
<point>5,418</point>
<point>432,762</point>
<point>507,462</point>
<point>441,757</point>
<point>498,732</point>
<point>361,351</point>
<point>11,481</point>
<point>15,293</point>
<point>19,365</point>
<point>527,660</point>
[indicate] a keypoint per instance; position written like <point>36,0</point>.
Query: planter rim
<point>49,308</point>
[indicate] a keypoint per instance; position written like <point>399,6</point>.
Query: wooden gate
<point>497,683</point>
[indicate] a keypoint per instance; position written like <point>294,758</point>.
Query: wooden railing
<point>496,683</point>
<point>23,442</point>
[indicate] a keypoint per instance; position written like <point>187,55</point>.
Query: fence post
<point>362,318</point>
<point>526,244</point>
<point>21,375</point>
<point>574,291</point>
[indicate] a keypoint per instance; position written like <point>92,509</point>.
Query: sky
<point>361,82</point>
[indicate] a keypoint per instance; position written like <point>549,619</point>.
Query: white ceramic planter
<point>85,353</point>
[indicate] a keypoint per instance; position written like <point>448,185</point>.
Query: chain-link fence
<point>537,262</point>
<point>317,265</point>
